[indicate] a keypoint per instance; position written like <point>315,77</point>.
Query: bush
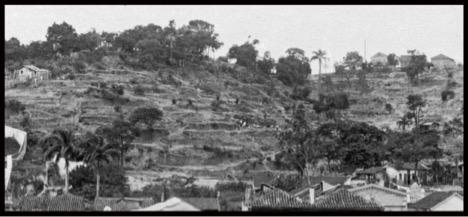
<point>389,108</point>
<point>79,66</point>
<point>447,95</point>
<point>231,186</point>
<point>113,182</point>
<point>118,89</point>
<point>139,91</point>
<point>14,106</point>
<point>300,93</point>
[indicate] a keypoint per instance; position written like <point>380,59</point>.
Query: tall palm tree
<point>95,151</point>
<point>61,144</point>
<point>319,55</point>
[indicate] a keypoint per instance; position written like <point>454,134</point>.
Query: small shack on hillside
<point>31,72</point>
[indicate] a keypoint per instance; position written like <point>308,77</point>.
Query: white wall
<point>453,203</point>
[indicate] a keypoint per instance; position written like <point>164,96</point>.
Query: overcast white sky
<point>336,29</point>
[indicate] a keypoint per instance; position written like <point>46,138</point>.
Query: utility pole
<point>365,50</point>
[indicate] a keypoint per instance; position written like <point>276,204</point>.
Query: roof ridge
<point>376,186</point>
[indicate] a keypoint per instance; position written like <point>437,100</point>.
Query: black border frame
<point>259,213</point>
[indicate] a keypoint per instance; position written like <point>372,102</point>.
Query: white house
<point>439,201</point>
<point>31,72</point>
<point>389,199</point>
<point>173,204</point>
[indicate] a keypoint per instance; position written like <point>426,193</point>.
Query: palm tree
<point>94,151</point>
<point>319,55</point>
<point>61,144</point>
<point>403,122</point>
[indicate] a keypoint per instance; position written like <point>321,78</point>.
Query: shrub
<point>216,105</point>
<point>118,89</point>
<point>300,93</point>
<point>117,108</point>
<point>79,66</point>
<point>231,186</point>
<point>447,95</point>
<point>139,90</point>
<point>389,107</point>
<point>146,115</point>
<point>14,106</point>
<point>134,81</point>
<point>113,182</point>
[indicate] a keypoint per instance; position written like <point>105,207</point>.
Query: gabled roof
<point>315,181</point>
<point>441,57</point>
<point>275,198</point>
<point>377,187</point>
<point>431,200</point>
<point>122,204</point>
<point>343,199</point>
<point>173,204</point>
<point>34,68</point>
<point>203,203</point>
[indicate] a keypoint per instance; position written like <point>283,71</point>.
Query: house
<point>389,199</point>
<point>279,200</point>
<point>64,202</point>
<point>319,184</point>
<point>379,59</point>
<point>31,72</point>
<point>441,62</point>
<point>407,173</point>
<point>173,204</point>
<point>122,203</point>
<point>438,201</point>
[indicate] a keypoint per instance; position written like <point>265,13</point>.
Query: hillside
<point>205,140</point>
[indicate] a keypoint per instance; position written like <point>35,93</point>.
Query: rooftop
<point>431,200</point>
<point>203,203</point>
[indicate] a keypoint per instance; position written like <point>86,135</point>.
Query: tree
<point>388,108</point>
<point>404,121</point>
<point>299,143</point>
<point>146,115</point>
<point>266,64</point>
<point>417,145</point>
<point>89,41</point>
<point>63,37</point>
<point>352,60</point>
<point>113,182</point>
<point>416,66</point>
<point>392,60</point>
<point>96,151</point>
<point>61,143</point>
<point>415,104</point>
<point>319,55</point>
<point>246,54</point>
<point>121,133</point>
<point>294,68</point>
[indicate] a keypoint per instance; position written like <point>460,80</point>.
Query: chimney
<point>311,195</point>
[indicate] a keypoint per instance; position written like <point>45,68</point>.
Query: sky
<point>335,29</point>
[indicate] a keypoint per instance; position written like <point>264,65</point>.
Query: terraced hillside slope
<point>214,123</point>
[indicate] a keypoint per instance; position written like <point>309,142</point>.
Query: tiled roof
<point>34,68</point>
<point>343,199</point>
<point>275,198</point>
<point>202,203</point>
<point>378,187</point>
<point>441,57</point>
<point>431,200</point>
<point>315,181</point>
<point>339,199</point>
<point>122,204</point>
<point>64,202</point>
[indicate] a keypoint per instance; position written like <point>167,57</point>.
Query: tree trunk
<point>46,179</point>
<point>98,180</point>
<point>320,76</point>
<point>66,177</point>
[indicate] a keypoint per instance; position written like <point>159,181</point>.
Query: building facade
<point>441,62</point>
